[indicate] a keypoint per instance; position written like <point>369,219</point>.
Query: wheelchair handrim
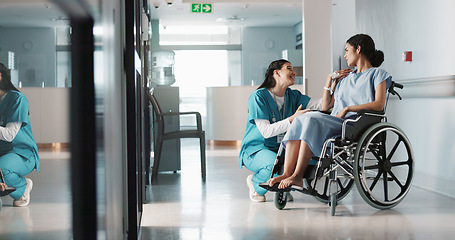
<point>360,154</point>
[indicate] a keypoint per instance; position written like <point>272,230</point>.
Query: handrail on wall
<point>443,86</point>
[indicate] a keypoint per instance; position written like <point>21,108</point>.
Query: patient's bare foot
<point>277,179</point>
<point>291,181</point>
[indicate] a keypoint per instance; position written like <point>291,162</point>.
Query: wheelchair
<point>375,155</point>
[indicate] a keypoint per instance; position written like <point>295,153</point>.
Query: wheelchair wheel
<point>322,188</point>
<point>383,165</point>
<point>280,200</point>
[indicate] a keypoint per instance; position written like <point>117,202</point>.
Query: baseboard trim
<point>53,146</point>
<point>433,183</point>
<point>225,143</point>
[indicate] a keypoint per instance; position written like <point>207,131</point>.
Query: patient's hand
<point>3,187</point>
<point>342,113</point>
<point>344,72</point>
<point>332,82</point>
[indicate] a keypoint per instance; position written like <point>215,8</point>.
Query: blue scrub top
<point>14,108</point>
<point>261,105</point>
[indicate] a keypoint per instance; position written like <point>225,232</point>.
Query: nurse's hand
<point>3,187</point>
<point>298,112</point>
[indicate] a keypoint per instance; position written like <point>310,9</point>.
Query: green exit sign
<point>201,8</point>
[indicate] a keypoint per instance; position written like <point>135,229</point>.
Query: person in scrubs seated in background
<point>271,110</point>
<point>18,150</point>
<point>363,88</point>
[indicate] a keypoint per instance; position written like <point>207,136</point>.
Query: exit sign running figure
<point>201,8</point>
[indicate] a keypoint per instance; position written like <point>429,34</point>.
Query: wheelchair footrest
<point>275,188</point>
<point>7,191</point>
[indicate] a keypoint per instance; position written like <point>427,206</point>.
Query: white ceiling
<point>253,12</point>
<point>40,13</point>
<point>30,13</point>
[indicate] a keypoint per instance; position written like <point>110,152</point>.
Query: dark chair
<point>162,135</point>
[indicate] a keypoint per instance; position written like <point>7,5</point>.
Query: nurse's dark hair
<point>269,81</point>
<point>5,83</point>
<point>367,48</point>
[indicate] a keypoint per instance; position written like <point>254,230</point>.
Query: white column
<point>316,44</point>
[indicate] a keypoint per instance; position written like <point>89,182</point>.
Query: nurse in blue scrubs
<point>18,150</point>
<point>271,110</point>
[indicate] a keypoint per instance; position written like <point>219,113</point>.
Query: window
<point>199,35</point>
<point>195,70</point>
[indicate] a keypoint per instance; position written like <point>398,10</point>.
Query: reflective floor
<point>49,214</point>
<point>181,206</point>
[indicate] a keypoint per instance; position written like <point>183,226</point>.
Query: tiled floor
<point>181,206</point>
<point>49,214</point>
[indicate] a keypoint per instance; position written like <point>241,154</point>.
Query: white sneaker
<point>254,196</point>
<point>25,199</point>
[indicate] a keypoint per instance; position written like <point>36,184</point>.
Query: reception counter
<point>49,114</point>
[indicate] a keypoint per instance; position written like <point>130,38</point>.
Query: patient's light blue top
<point>261,105</point>
<point>14,108</point>
<point>359,88</point>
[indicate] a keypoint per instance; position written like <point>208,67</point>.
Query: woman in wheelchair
<point>271,109</point>
<point>351,91</point>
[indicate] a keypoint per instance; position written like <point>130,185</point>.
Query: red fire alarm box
<point>407,56</point>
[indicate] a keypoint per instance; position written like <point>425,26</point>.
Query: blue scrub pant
<point>262,164</point>
<point>14,168</point>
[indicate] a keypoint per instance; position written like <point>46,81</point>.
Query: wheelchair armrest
<point>370,112</point>
<point>354,128</point>
<point>325,112</point>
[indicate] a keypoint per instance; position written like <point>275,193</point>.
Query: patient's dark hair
<point>269,81</point>
<point>5,83</point>
<point>367,48</point>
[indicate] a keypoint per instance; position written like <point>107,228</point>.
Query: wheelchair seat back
<point>365,120</point>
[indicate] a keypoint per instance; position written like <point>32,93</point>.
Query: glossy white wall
<point>427,115</point>
<point>316,45</point>
<point>110,89</point>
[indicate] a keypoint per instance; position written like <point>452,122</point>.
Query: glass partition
<point>63,57</point>
<point>34,46</point>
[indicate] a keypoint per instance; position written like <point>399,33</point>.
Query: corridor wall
<point>426,114</point>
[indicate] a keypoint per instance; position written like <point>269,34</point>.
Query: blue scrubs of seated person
<point>18,150</point>
<point>271,109</point>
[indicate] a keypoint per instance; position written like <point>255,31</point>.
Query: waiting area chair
<point>162,135</point>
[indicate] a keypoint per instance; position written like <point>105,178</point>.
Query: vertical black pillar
<point>132,116</point>
<point>83,130</point>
